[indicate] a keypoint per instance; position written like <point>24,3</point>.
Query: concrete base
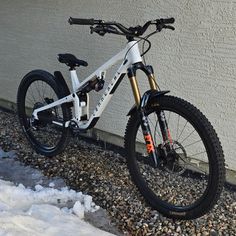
<point>7,105</point>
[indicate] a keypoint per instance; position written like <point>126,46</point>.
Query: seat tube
<point>74,80</point>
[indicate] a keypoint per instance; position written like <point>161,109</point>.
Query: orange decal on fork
<point>149,143</point>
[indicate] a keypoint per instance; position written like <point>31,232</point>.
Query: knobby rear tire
<point>214,152</point>
<point>38,77</point>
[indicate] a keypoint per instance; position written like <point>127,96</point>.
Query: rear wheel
<point>191,174</point>
<point>37,89</point>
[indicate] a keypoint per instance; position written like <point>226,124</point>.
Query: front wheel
<point>190,175</point>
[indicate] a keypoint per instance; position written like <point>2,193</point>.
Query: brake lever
<point>97,30</point>
<point>102,30</point>
<point>91,29</point>
<point>168,27</point>
<point>111,29</point>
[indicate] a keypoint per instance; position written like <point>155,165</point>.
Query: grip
<point>168,20</point>
<point>79,21</point>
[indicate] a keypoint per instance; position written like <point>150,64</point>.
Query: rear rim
<point>182,182</point>
<point>42,133</point>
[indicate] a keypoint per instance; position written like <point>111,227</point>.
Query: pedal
<point>77,130</point>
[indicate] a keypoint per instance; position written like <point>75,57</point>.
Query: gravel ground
<point>104,175</point>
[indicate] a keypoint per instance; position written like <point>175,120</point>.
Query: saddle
<point>71,60</point>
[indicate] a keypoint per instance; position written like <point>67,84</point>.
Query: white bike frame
<point>130,56</point>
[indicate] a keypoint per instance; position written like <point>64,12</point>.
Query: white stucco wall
<point>196,62</point>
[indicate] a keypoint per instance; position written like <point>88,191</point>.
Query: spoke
<point>196,154</point>
<point>32,95</point>
<point>140,132</point>
<point>169,117</point>
<point>41,89</point>
<point>190,164</point>
<point>30,101</point>
<point>188,144</point>
<point>139,140</point>
<point>51,93</point>
<point>177,128</point>
<point>188,136</point>
<point>155,130</point>
<point>38,90</point>
<point>182,130</point>
<point>157,127</point>
<point>150,121</point>
<point>44,85</point>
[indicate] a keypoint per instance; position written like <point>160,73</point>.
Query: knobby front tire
<point>39,88</point>
<point>192,175</point>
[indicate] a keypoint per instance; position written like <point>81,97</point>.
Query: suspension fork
<point>161,116</point>
<point>141,105</point>
<point>166,136</point>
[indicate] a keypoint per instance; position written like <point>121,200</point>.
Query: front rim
<point>182,182</point>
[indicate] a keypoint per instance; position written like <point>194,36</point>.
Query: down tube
<point>106,97</point>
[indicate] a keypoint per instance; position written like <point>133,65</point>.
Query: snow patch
<point>52,185</point>
<point>78,209</point>
<point>44,211</point>
<point>10,154</point>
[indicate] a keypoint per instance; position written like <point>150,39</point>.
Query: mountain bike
<point>173,153</point>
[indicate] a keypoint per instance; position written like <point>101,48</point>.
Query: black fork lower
<point>151,149</point>
<point>166,136</point>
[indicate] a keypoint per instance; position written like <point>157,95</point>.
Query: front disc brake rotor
<point>175,161</point>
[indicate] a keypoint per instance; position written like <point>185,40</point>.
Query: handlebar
<point>103,27</point>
